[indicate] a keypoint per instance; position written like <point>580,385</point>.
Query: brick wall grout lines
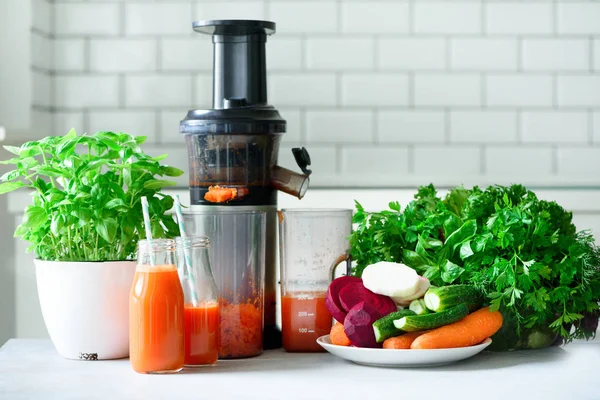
<point>590,122</point>
<point>87,56</point>
<point>158,61</point>
<point>448,54</point>
<point>338,89</point>
<point>483,82</point>
<point>555,18</point>
<point>482,158</point>
<point>483,16</point>
<point>591,54</point>
<point>411,16</point>
<point>375,126</point>
<point>518,128</point>
<point>447,125</point>
<point>303,55</point>
<point>266,10</point>
<point>338,15</point>
<point>520,54</point>
<point>376,49</point>
<point>411,89</point>
<point>555,90</point>
<point>303,126</point>
<point>157,125</point>
<point>193,89</point>
<point>122,18</point>
<point>122,91</point>
<point>86,120</point>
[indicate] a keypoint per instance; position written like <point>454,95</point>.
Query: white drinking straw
<point>146,213</point>
<point>187,273</point>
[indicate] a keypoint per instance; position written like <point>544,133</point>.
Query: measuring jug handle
<point>342,257</point>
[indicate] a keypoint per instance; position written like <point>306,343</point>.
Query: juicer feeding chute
<point>233,147</point>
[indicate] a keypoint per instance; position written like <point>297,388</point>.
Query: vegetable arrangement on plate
<point>370,311</point>
<point>523,255</point>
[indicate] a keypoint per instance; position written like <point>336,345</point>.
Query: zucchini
<point>442,298</point>
<point>384,327</point>
<point>415,323</point>
<point>418,306</point>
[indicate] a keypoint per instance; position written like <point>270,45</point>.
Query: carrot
<point>338,336</point>
<point>401,342</point>
<point>218,194</point>
<point>471,330</point>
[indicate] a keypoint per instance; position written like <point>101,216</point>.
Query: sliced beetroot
<point>332,301</point>
<point>358,325</point>
<point>355,292</point>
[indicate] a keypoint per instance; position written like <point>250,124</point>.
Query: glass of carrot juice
<point>201,310</point>
<point>156,310</point>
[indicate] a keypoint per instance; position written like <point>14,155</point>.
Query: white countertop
<point>31,369</point>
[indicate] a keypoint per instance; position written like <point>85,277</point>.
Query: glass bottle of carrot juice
<point>201,310</point>
<point>156,318</point>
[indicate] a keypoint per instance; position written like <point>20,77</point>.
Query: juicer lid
<point>239,81</point>
<point>237,120</point>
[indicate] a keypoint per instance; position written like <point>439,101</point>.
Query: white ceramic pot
<point>86,307</point>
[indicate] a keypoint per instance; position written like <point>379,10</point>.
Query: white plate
<point>401,358</point>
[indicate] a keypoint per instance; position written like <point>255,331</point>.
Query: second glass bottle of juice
<point>201,311</point>
<point>156,342</point>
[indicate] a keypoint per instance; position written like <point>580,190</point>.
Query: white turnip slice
<point>391,279</point>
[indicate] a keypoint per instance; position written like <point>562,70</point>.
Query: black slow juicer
<point>235,144</point>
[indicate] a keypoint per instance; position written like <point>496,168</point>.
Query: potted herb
<point>84,224</point>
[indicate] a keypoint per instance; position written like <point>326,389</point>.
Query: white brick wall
<point>118,55</point>
<point>447,17</point>
<point>339,126</point>
<point>447,90</point>
<point>515,18</point>
<point>518,161</point>
<point>412,54</point>
<point>375,89</point>
<point>579,18</point>
<point>556,54</point>
<point>375,16</point>
<point>86,19</point>
<point>483,126</point>
<point>69,55</point>
<point>467,90</point>
<point>411,126</point>
<point>483,54</point>
<point>519,90</point>
<point>555,127</point>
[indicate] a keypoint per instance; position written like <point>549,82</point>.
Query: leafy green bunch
<point>87,195</point>
<point>523,253</point>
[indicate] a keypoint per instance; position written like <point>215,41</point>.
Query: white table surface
<point>31,369</point>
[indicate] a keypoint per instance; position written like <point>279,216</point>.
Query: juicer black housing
<point>236,143</point>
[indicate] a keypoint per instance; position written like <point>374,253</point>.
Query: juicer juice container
<point>233,147</point>
<point>237,257</point>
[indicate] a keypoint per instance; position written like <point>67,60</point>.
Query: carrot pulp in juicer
<point>304,318</point>
<point>156,342</point>
<point>241,329</point>
<point>201,334</point>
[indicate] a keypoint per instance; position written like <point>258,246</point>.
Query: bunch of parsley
<point>523,253</point>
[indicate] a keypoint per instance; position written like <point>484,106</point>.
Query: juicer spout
<point>289,181</point>
<point>292,182</point>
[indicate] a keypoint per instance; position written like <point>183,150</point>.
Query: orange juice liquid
<point>156,325</point>
<point>201,334</point>
<point>304,318</point>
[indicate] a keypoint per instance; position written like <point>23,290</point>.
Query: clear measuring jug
<point>312,242</point>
